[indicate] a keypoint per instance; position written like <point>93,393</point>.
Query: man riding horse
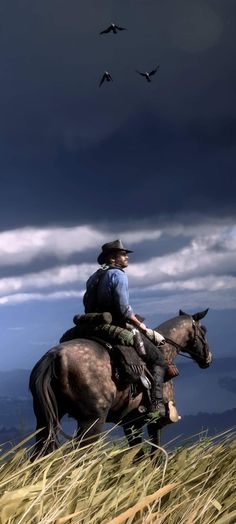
<point>107,290</point>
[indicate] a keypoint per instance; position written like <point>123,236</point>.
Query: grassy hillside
<point>195,483</point>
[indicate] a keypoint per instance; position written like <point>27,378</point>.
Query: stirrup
<point>158,409</point>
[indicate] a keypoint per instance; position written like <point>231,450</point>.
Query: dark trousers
<point>154,354</point>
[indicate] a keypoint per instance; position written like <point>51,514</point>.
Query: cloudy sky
<point>150,163</point>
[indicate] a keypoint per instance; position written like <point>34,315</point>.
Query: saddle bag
<point>93,319</point>
<point>128,364</point>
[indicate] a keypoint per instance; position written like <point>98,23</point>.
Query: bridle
<point>198,337</point>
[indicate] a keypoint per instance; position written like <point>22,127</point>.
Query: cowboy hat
<point>116,245</point>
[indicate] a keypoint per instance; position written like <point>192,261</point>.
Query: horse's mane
<point>165,327</point>
<point>172,323</point>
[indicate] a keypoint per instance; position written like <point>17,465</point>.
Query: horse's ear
<point>182,312</point>
<point>200,315</point>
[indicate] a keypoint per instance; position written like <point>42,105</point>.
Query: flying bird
<point>106,76</point>
<point>113,28</point>
<point>147,75</point>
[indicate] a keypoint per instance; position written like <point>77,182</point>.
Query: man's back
<point>107,290</point>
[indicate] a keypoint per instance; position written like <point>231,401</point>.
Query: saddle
<point>128,367</point>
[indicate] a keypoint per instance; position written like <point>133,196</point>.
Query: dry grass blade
<point>143,503</point>
<point>101,483</point>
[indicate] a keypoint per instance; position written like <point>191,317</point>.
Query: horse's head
<point>197,346</point>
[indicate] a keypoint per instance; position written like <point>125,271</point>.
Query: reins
<point>179,348</point>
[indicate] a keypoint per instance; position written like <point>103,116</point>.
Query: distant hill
<point>14,383</point>
<point>208,423</point>
<point>17,412</point>
<point>219,366</point>
<point>191,427</point>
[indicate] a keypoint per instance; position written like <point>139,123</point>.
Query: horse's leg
<point>154,427</point>
<point>133,429</point>
<point>89,431</point>
<point>90,411</point>
<point>154,433</point>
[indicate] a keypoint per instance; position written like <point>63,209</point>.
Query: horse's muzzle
<point>207,363</point>
<point>209,358</point>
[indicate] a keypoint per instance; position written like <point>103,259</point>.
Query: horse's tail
<point>40,384</point>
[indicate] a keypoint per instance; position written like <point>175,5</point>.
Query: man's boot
<point>157,391</point>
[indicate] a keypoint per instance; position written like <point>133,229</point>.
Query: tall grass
<point>195,483</point>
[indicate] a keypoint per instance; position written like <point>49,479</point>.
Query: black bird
<point>113,28</point>
<point>106,76</point>
<point>147,75</point>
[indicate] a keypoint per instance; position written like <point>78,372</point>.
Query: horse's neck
<point>180,334</point>
<point>178,331</point>
<point>170,352</point>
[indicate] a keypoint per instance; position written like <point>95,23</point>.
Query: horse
<point>76,378</point>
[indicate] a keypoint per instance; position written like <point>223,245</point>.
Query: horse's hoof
<point>173,413</point>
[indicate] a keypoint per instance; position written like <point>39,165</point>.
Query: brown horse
<point>76,378</point>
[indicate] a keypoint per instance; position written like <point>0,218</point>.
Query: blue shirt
<point>113,293</point>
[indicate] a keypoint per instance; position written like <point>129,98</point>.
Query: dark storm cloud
<point>67,148</point>
<point>213,133</point>
<point>163,172</point>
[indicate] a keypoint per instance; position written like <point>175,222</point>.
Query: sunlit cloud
<point>206,264</point>
<point>208,283</point>
<point>26,297</point>
<point>20,246</point>
<point>139,236</point>
<point>205,254</point>
<point>58,276</point>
